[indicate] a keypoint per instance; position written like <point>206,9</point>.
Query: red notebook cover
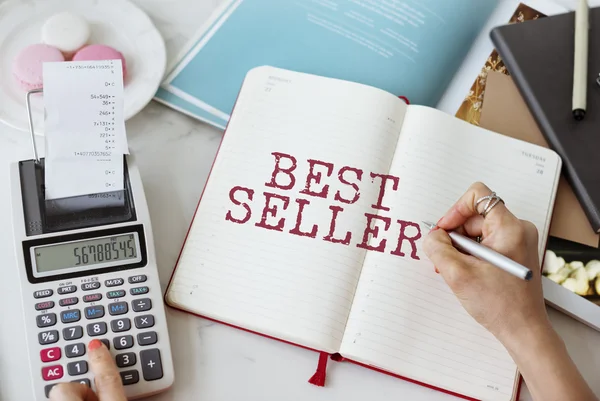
<point>319,376</point>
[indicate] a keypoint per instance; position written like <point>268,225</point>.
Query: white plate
<point>116,23</point>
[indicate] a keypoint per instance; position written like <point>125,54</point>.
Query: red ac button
<point>52,372</point>
<point>50,354</point>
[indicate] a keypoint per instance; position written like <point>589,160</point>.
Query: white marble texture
<point>214,362</point>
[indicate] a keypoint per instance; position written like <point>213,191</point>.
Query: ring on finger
<point>492,200</point>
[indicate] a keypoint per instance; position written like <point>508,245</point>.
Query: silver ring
<point>492,200</point>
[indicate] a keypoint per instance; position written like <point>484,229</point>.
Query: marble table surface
<point>214,362</point>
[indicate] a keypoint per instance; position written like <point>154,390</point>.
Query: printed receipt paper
<point>85,129</point>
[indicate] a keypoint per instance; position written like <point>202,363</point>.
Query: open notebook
<point>309,227</point>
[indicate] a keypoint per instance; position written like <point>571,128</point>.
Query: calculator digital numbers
<point>99,282</point>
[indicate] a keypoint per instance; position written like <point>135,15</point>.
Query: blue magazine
<point>409,48</point>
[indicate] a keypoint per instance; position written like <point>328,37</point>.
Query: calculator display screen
<point>97,251</point>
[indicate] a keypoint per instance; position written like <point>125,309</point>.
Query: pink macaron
<point>28,65</point>
<point>100,52</point>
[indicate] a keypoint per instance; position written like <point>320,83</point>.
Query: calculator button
<point>67,289</point>
<point>96,329</point>
<point>70,316</point>
<point>48,388</point>
<point>137,279</point>
<point>92,297</point>
<point>120,325</point>
<point>90,286</point>
<point>141,305</point>
<point>139,290</point>
<point>147,338</point>
<point>127,359</point>
<point>94,312</point>
<point>115,294</point>
<point>114,282</point>
<point>75,350</point>
<point>52,372</point>
<point>47,320</point>
<point>83,381</point>
<point>77,368</point>
<point>44,305</point>
<point>151,364</point>
<point>123,342</point>
<point>50,354</point>
<point>72,333</point>
<point>48,337</point>
<point>118,308</point>
<point>130,377</point>
<point>106,343</point>
<point>43,293</point>
<point>142,322</point>
<point>68,301</point>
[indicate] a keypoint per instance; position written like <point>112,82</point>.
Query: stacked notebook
<point>309,228</point>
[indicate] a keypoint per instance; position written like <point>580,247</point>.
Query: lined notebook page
<point>405,319</point>
<point>292,287</point>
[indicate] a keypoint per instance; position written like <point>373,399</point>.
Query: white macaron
<point>67,32</point>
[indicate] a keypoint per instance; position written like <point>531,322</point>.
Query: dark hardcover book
<point>539,57</point>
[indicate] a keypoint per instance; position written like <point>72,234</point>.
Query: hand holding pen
<point>500,301</point>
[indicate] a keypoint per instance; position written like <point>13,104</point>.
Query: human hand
<point>504,304</point>
<point>106,376</point>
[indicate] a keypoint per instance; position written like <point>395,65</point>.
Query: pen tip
<point>428,224</point>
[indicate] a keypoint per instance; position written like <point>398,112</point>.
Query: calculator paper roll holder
<point>46,235</point>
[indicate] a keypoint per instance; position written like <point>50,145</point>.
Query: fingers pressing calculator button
<point>44,305</point>
<point>67,289</point>
<point>96,329</point>
<point>115,294</point>
<point>92,297</point>
<point>123,342</point>
<point>90,286</point>
<point>70,316</point>
<point>68,301</point>
<point>52,372</point>
<point>94,312</point>
<point>72,333</point>
<point>77,368</point>
<point>50,354</point>
<point>147,338</point>
<point>151,364</point>
<point>43,293</point>
<point>114,282</point>
<point>139,291</point>
<point>141,305</point>
<point>83,381</point>
<point>75,350</point>
<point>130,377</point>
<point>120,325</point>
<point>137,279</point>
<point>48,337</point>
<point>142,322</point>
<point>118,308</point>
<point>47,320</point>
<point>127,359</point>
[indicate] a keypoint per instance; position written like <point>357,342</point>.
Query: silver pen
<point>486,254</point>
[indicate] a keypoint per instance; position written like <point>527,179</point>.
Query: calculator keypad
<point>94,312</point>
<point>70,316</point>
<point>120,325</point>
<point>96,329</point>
<point>75,350</point>
<point>47,320</point>
<point>141,305</point>
<point>72,333</point>
<point>67,362</point>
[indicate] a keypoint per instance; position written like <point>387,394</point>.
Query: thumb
<point>451,263</point>
<point>106,375</point>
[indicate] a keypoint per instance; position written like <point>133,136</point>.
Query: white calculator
<point>88,271</point>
